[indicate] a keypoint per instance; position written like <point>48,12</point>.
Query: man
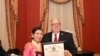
<point>69,45</point>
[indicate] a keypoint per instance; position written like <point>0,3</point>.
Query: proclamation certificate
<point>53,49</point>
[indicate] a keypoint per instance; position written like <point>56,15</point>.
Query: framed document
<point>53,49</point>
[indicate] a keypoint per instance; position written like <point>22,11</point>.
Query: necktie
<point>55,39</point>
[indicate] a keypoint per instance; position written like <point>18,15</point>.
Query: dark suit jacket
<point>64,36</point>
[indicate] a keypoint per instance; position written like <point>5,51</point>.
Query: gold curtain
<point>12,18</point>
<point>79,22</point>
<point>44,14</point>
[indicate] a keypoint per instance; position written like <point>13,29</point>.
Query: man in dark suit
<point>69,45</point>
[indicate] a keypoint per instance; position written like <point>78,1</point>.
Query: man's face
<point>55,25</point>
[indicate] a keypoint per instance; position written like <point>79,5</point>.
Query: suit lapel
<point>50,37</point>
<point>61,36</point>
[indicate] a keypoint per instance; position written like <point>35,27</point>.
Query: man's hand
<point>67,53</point>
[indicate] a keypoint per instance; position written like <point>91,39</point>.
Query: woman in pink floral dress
<point>34,47</point>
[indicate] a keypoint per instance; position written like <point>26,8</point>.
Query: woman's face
<point>38,35</point>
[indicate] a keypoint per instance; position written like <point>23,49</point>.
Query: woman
<point>34,47</point>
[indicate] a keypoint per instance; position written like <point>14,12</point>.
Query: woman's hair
<point>35,29</point>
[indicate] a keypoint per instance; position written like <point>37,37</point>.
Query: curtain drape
<point>79,21</point>
<point>44,15</point>
<point>12,18</point>
<point>3,26</point>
